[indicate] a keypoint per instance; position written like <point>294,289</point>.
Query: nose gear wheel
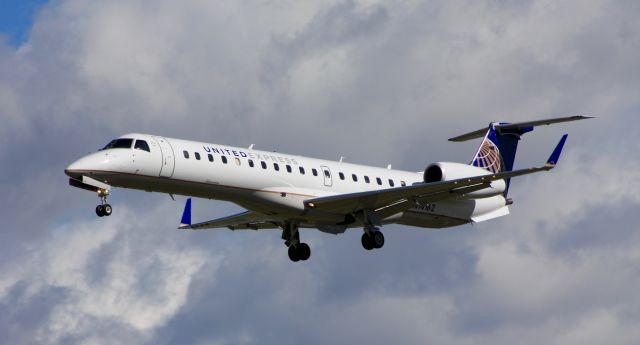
<point>104,209</point>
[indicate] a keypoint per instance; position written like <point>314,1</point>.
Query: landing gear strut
<point>104,209</point>
<point>298,251</point>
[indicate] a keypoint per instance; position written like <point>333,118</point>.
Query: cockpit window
<point>141,145</point>
<point>124,143</point>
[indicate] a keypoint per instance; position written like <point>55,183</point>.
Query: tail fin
<point>497,152</point>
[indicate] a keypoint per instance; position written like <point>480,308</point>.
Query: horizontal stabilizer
<point>515,126</point>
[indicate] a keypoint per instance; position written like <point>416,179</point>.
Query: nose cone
<point>86,165</point>
<point>74,169</point>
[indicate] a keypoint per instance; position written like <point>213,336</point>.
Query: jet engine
<point>446,171</point>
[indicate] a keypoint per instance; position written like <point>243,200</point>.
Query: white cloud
<point>108,270</point>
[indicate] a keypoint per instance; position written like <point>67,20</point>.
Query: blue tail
<point>498,149</point>
<point>497,152</point>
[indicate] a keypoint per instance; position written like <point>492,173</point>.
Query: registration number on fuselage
<point>430,207</point>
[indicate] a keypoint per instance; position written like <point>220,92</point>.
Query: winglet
<point>186,215</point>
<point>555,155</point>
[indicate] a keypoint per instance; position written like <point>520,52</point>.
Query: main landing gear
<point>298,251</point>
<point>104,209</point>
<point>372,239</point>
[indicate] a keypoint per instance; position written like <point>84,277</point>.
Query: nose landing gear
<point>104,209</point>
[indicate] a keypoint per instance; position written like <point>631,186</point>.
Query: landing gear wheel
<point>377,239</point>
<point>304,252</point>
<point>293,254</point>
<point>367,242</point>
<point>100,211</point>
<point>299,252</point>
<point>107,210</point>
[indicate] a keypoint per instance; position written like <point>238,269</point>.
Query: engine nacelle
<point>447,171</point>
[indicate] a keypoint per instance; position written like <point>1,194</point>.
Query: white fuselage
<point>277,184</point>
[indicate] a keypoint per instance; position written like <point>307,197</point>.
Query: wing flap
<point>407,203</point>
<point>353,202</point>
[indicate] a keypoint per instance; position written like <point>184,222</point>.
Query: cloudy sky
<point>379,82</point>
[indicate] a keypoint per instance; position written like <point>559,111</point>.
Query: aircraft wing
<point>248,220</point>
<point>402,198</point>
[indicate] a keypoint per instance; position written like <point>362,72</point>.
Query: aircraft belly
<point>167,185</point>
<point>274,201</point>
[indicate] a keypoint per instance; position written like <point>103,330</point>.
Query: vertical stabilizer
<point>497,152</point>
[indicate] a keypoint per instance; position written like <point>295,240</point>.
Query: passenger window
<point>314,171</point>
<point>354,177</point>
<point>327,174</point>
<point>288,168</point>
<point>210,157</point>
<point>264,165</point>
<point>142,145</point>
<point>402,183</point>
<point>197,155</point>
<point>251,163</point>
<point>276,167</point>
<point>366,179</point>
<point>186,154</point>
<point>224,159</point>
<point>302,170</point>
<point>237,161</point>
<point>341,176</point>
<point>391,183</point>
<point>379,181</point>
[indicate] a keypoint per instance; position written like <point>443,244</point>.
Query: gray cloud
<point>378,82</point>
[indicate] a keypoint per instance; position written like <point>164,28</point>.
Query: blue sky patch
<point>16,18</point>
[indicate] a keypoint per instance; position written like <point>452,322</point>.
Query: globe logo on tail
<point>489,157</point>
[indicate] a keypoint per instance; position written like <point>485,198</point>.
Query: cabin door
<point>327,176</point>
<point>168,157</point>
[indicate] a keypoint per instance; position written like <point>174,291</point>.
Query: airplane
<point>290,192</point>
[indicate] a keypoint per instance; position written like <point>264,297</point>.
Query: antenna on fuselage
<point>389,167</point>
<point>251,146</point>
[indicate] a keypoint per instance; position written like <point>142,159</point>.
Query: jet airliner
<point>288,192</point>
